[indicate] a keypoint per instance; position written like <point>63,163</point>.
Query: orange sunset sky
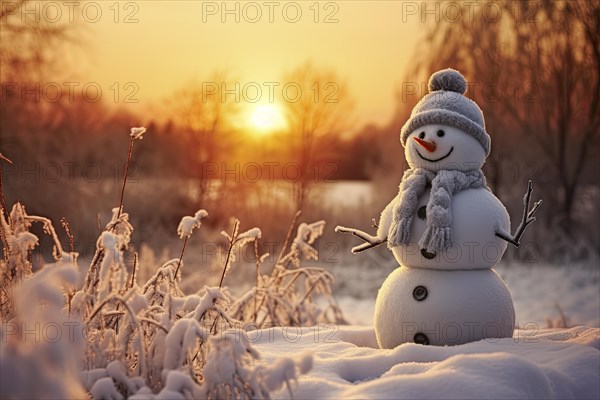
<point>174,42</point>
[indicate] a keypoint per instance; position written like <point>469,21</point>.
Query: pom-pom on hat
<point>446,104</point>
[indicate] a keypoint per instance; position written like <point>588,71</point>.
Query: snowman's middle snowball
<point>476,214</point>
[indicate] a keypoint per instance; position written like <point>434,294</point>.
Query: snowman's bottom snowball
<point>436,307</point>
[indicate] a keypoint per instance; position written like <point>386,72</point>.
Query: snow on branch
<point>137,133</point>
<point>188,224</point>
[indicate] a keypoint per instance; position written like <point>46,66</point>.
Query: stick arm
<point>370,240</point>
<point>528,218</point>
<point>383,227</point>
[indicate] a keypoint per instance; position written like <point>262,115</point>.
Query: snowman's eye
<point>441,133</point>
<point>421,135</point>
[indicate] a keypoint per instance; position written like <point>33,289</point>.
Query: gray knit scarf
<point>444,184</point>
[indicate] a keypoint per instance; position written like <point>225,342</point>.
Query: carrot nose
<point>429,146</point>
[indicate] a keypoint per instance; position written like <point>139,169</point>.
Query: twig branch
<point>125,175</point>
<point>134,269</point>
<point>118,298</point>
<point>181,255</point>
<point>48,229</point>
<point>65,224</point>
<point>257,258</point>
<point>528,218</point>
<point>288,236</point>
<point>370,241</point>
<point>153,322</point>
<point>231,243</point>
<point>232,239</point>
<point>2,199</point>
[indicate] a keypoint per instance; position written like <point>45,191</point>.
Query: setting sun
<point>267,118</point>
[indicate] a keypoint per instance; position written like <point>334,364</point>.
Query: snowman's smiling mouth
<point>437,159</point>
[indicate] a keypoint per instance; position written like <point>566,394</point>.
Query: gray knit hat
<point>446,104</point>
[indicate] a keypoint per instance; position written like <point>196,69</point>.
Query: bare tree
<point>205,113</point>
<point>317,103</point>
<point>561,58</point>
<point>29,42</point>
<point>30,50</point>
<point>538,70</point>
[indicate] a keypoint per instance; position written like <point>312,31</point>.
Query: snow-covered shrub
<point>231,372</point>
<point>17,247</point>
<point>150,340</point>
<point>287,296</point>
<point>164,340</point>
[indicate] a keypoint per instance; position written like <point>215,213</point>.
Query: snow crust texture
<point>549,364</point>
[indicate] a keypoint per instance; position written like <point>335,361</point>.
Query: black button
<point>420,293</point>
<point>421,338</point>
<point>427,254</point>
<point>422,212</point>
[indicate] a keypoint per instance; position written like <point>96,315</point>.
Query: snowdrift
<point>549,364</point>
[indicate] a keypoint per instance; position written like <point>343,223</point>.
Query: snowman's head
<point>446,130</point>
<point>435,147</point>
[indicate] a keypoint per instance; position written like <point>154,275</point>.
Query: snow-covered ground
<point>548,364</point>
<point>536,363</point>
<point>543,361</point>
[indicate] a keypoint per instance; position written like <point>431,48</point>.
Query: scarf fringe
<point>444,184</point>
<point>436,239</point>
<point>402,232</point>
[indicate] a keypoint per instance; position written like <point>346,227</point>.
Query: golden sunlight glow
<point>267,118</point>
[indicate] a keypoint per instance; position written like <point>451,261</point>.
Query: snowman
<point>445,228</point>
